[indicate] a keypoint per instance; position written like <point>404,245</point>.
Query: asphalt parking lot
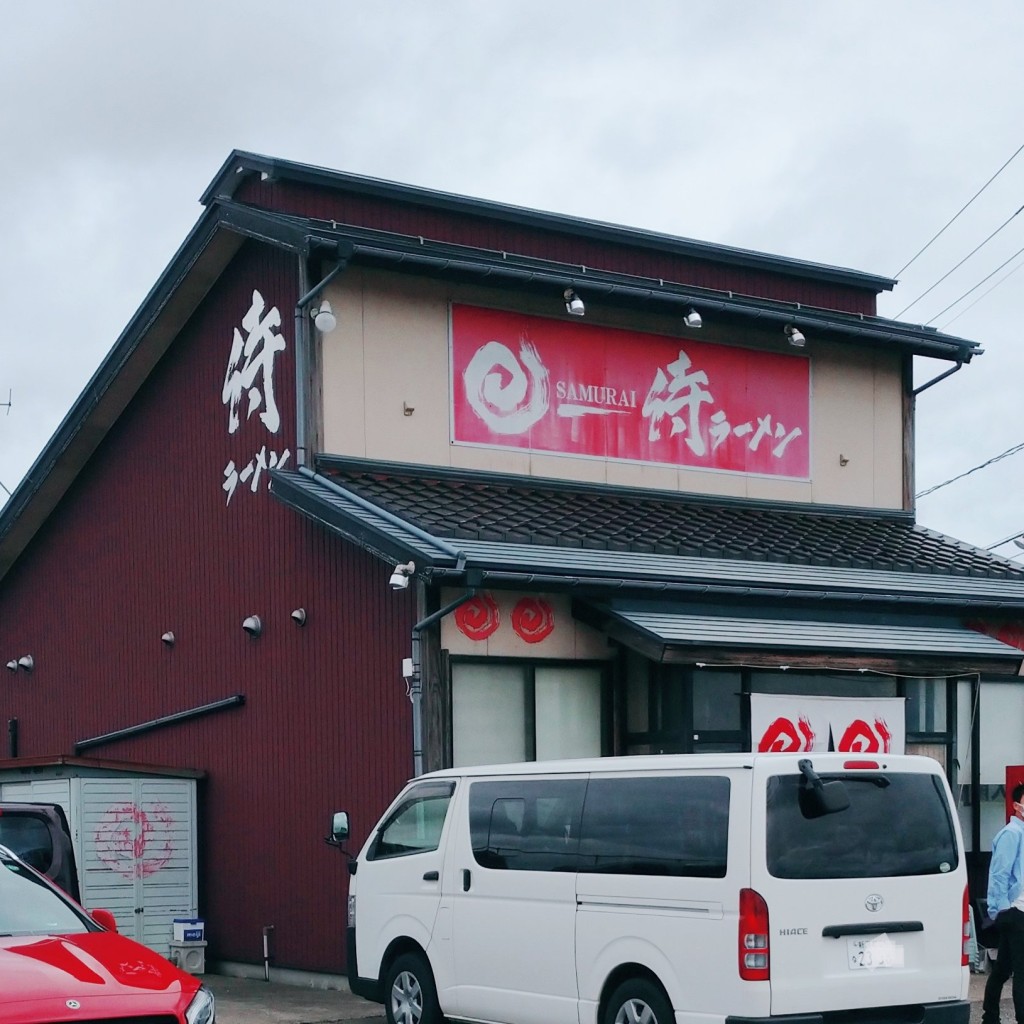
<point>254,1001</point>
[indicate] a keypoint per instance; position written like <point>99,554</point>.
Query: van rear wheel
<point>638,1001</point>
<point>411,996</point>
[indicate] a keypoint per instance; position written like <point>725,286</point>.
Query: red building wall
<point>147,542</point>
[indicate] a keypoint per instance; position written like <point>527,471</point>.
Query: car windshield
<point>28,906</point>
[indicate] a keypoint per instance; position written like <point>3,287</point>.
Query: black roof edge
<point>217,216</point>
<point>240,163</point>
<point>329,462</point>
<point>398,252</point>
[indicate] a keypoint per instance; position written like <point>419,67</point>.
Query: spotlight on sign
<point>796,338</point>
<point>573,303</point>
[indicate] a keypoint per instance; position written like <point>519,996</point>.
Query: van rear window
<point>896,824</point>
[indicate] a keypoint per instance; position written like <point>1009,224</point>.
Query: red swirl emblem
<point>478,618</point>
<point>135,843</point>
<point>860,738</point>
<point>532,619</point>
<point>782,736</point>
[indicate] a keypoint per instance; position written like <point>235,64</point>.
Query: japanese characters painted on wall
<point>250,376</point>
<point>579,389</point>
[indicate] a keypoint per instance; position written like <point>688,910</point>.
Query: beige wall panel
<point>391,350</point>
<point>343,386</point>
<point>553,633</point>
<point>889,467</point>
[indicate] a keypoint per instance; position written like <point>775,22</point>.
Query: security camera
<point>252,625</point>
<point>400,577</point>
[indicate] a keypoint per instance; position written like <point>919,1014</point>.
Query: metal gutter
<point>627,585</point>
<point>240,163</point>
<point>394,251</point>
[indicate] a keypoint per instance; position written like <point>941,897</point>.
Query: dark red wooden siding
<point>497,235</point>
<point>144,544</point>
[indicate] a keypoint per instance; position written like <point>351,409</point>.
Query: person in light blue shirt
<point>1006,908</point>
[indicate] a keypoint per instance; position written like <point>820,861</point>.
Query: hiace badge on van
<point>712,889</point>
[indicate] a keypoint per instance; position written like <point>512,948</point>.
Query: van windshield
<point>896,824</point>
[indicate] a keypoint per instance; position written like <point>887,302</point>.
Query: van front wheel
<point>638,1001</point>
<point>411,997</point>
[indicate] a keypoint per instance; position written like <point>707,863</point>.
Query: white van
<point>718,889</point>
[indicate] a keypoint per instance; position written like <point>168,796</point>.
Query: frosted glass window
<point>1001,713</point>
<point>568,712</point>
<point>488,714</point>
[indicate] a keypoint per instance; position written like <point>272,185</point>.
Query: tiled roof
<point>463,506</point>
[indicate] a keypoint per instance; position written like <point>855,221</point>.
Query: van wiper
<point>818,798</point>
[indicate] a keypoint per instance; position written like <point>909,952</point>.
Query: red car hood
<point>106,973</point>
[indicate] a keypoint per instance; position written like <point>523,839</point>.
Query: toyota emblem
<point>874,903</point>
<point>73,1004</point>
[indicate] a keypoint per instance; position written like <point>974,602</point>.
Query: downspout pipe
<point>303,340</point>
<point>941,376</point>
<point>413,672</point>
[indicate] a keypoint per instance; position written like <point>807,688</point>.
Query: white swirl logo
<point>507,393</point>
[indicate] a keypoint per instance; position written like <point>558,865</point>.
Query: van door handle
<point>431,876</point>
<point>466,876</point>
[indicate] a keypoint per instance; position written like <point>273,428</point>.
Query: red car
<point>58,963</point>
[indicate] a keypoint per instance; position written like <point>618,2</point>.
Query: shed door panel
<point>139,853</point>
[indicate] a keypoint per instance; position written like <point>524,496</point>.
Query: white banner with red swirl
<point>789,723</point>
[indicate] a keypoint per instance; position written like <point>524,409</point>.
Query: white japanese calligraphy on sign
<point>250,372</point>
<point>687,390</point>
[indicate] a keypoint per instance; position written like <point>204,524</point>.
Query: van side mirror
<point>339,826</point>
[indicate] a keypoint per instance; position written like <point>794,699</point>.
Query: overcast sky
<point>842,133</point>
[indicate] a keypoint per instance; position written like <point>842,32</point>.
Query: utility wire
<point>1005,277</point>
<point>996,458</point>
<point>961,210</point>
<point>1005,540</point>
<point>959,265</point>
<point>975,288</point>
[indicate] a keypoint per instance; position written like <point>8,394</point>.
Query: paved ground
<point>254,1001</point>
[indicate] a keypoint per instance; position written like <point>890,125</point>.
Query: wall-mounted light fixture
<point>795,336</point>
<point>400,577</point>
<point>13,664</point>
<point>253,626</point>
<point>26,662</point>
<point>573,303</point>
<point>693,318</point>
<point>168,638</point>
<point>299,616</point>
<point>324,318</point>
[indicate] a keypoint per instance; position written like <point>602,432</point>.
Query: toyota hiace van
<point>712,889</point>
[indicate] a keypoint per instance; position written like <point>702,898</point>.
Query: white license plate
<point>871,954</point>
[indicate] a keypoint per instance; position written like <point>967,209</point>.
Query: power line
<point>1005,277</point>
<point>1006,540</point>
<point>975,288</point>
<point>959,265</point>
<point>961,210</point>
<point>996,458</point>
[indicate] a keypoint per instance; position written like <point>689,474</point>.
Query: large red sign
<point>578,389</point>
